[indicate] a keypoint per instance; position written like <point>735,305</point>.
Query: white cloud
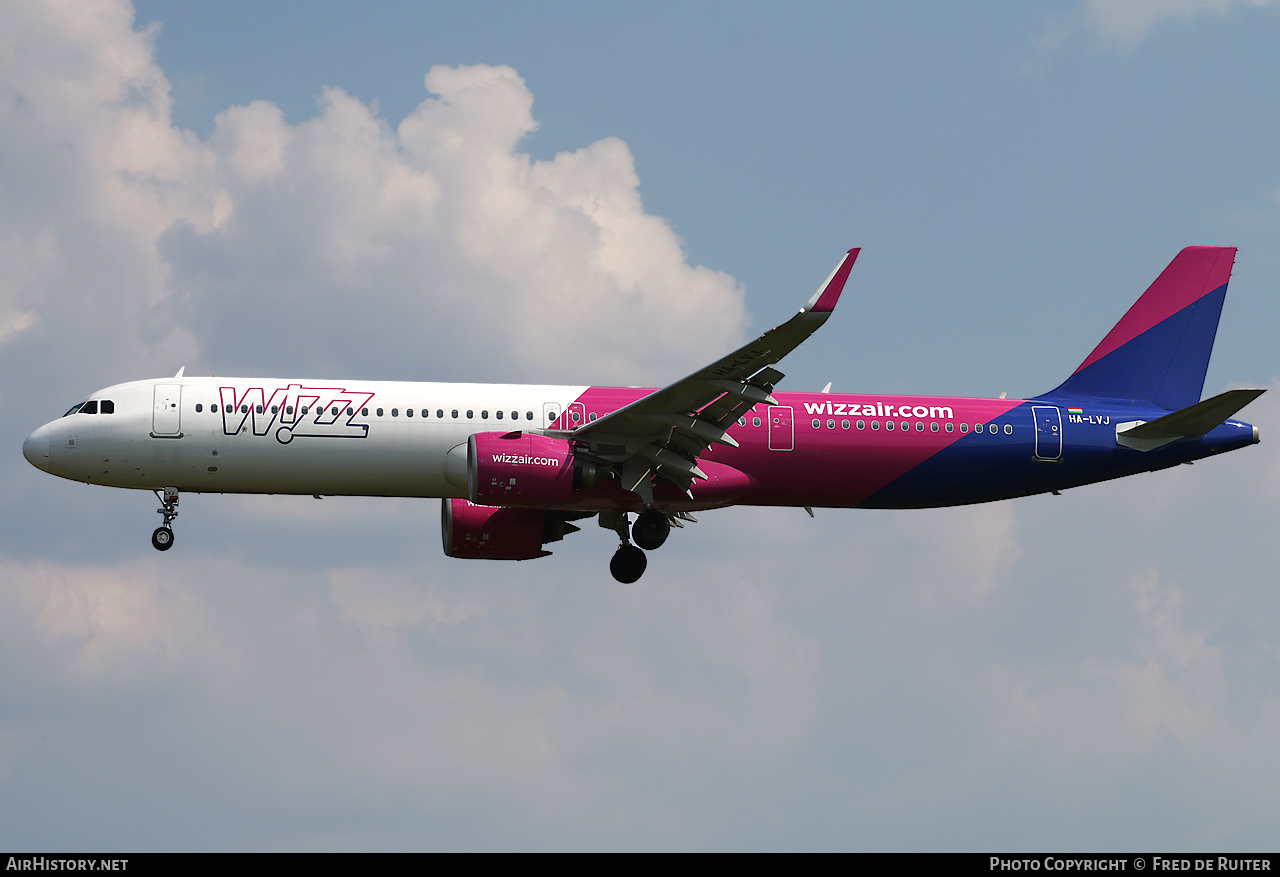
<point>1169,686</point>
<point>94,173</point>
<point>1120,22</point>
<point>971,548</point>
<point>1120,25</point>
<point>431,247</point>
<point>441,241</point>
<point>123,627</point>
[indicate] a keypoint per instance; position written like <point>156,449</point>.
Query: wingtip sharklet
<point>824,300</point>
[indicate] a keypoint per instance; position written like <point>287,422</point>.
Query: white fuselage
<point>233,435</point>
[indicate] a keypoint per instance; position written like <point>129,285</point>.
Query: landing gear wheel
<point>650,529</point>
<point>628,564</point>
<point>162,538</point>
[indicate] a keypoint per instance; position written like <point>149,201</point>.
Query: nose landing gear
<point>162,536</point>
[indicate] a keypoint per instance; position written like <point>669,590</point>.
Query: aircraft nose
<point>36,448</point>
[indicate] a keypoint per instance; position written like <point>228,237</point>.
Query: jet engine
<point>488,533</point>
<point>519,469</point>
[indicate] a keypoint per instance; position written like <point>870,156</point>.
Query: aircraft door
<point>1048,432</point>
<point>782,433</point>
<point>166,414</point>
<point>550,413</point>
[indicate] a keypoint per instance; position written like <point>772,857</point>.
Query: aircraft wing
<point>666,431</point>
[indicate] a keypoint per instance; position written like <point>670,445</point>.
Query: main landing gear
<point>649,532</point>
<point>162,537</point>
<point>628,564</point>
<point>651,529</point>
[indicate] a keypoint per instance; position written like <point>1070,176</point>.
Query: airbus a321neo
<point>516,465</point>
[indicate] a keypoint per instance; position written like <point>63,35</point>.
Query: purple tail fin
<point>1159,351</point>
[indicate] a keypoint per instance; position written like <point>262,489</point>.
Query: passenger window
<point>497,414</point>
<point>379,412</point>
<point>89,407</point>
<point>213,409</point>
<point>408,412</point>
<point>350,412</point>
<point>862,424</point>
<point>817,424</point>
<point>844,424</point>
<point>455,413</point>
<point>395,412</point>
<point>288,409</point>
<point>755,421</point>
<point>951,427</point>
<point>257,409</point>
<point>1008,429</point>
<point>364,412</point>
<point>905,426</point>
<point>831,424</point>
<point>484,415</point>
<point>964,427</point>
<point>199,408</point>
<point>244,409</point>
<point>304,409</point>
<point>575,417</point>
<point>528,415</point>
<point>470,414</point>
<point>591,416</point>
<point>875,424</point>
<point>334,411</point>
<point>977,427</point>
<point>275,409</point>
<point>920,426</point>
<point>888,424</point>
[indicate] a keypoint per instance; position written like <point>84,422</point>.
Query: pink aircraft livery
<point>516,465</point>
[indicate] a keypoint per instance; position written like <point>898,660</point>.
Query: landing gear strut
<point>628,562</point>
<point>162,537</point>
<point>649,532</point>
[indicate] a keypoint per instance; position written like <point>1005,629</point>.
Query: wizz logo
<point>314,412</point>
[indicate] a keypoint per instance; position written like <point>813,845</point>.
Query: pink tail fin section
<point>1159,351</point>
<point>1193,274</point>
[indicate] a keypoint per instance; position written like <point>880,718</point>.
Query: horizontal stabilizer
<point>1198,419</point>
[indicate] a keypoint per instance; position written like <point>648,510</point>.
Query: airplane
<point>516,465</point>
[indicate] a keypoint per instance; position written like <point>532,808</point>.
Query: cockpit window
<point>108,406</point>
<point>73,409</point>
<point>90,407</point>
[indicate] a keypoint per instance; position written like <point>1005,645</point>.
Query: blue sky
<point>590,195</point>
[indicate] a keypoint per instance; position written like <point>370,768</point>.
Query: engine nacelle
<point>524,469</point>
<point>483,532</point>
